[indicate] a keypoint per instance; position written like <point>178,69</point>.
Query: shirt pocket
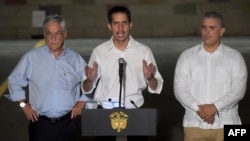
<point>221,74</point>
<point>70,80</point>
<point>197,74</point>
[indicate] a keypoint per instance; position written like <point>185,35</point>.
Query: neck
<point>57,53</point>
<point>211,48</point>
<point>121,45</point>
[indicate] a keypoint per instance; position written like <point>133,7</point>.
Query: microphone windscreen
<point>121,60</point>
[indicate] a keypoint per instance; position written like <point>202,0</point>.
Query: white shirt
<point>134,82</point>
<point>204,78</point>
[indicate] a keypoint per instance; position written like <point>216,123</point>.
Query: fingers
<point>149,70</point>
<point>75,112</point>
<point>144,63</point>
<point>209,120</point>
<point>95,65</point>
<point>86,68</point>
<point>201,115</point>
<point>153,69</point>
<point>34,117</point>
<point>207,109</point>
<point>31,114</point>
<point>77,109</point>
<point>204,116</point>
<point>91,72</point>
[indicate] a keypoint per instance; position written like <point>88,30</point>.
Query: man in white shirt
<point>210,80</point>
<point>138,72</point>
<point>140,69</point>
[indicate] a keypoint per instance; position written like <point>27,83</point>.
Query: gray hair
<point>56,18</point>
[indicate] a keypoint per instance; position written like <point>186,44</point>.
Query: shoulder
<point>190,51</point>
<point>103,46</point>
<point>35,51</point>
<point>72,53</point>
<point>234,55</point>
<point>227,49</point>
<point>140,46</point>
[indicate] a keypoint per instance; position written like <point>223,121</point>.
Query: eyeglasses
<point>58,34</point>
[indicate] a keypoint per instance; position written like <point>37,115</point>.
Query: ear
<point>65,34</point>
<point>109,26</point>
<point>130,26</point>
<point>222,31</point>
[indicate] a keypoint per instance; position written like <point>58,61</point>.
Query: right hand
<point>91,73</point>
<point>207,112</point>
<point>30,113</point>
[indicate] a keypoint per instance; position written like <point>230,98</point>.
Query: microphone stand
<point>120,94</point>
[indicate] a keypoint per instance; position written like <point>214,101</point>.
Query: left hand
<point>148,70</point>
<point>77,109</point>
<point>207,112</point>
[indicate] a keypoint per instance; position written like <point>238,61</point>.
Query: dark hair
<point>55,18</point>
<point>216,15</point>
<point>118,9</point>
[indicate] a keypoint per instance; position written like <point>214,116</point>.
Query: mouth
<point>206,37</point>
<point>53,42</point>
<point>120,34</point>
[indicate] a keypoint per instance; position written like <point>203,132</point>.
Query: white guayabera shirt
<point>205,78</point>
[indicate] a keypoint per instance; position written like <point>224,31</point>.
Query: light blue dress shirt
<point>53,84</point>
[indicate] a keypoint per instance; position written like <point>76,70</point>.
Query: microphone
<point>121,64</point>
<point>132,102</point>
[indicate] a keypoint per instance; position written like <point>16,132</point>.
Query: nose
<point>53,36</point>
<point>120,26</point>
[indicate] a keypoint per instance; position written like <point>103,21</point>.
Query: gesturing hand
<point>91,73</point>
<point>148,70</point>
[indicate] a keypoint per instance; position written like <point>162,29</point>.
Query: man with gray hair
<point>53,75</point>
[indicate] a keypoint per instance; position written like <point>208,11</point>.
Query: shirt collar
<point>63,52</point>
<point>218,50</point>
<point>131,43</point>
